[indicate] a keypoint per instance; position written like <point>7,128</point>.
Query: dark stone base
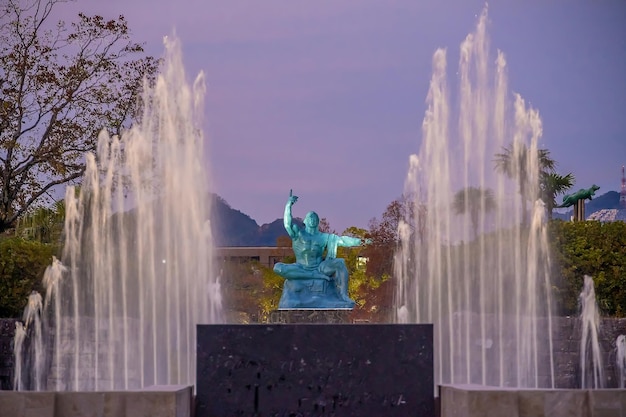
<point>310,316</point>
<point>315,370</point>
<point>7,358</point>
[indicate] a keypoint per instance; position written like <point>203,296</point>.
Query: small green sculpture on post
<point>582,194</point>
<point>312,281</point>
<point>578,201</point>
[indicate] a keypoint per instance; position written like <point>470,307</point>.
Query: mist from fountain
<point>31,320</point>
<point>591,370</point>
<point>480,274</point>
<point>136,274</point>
<point>620,360</point>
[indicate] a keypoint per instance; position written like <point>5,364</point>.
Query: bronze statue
<point>313,281</point>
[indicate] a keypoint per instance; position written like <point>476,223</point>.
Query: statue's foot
<point>347,299</point>
<point>348,303</point>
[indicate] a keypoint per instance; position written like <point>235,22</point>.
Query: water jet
<point>136,274</point>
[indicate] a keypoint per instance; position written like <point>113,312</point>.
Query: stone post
<point>579,211</point>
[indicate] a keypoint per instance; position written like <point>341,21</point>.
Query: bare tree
<point>58,88</point>
<point>384,235</point>
<point>324,226</point>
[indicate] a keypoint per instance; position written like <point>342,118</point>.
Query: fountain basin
<point>154,401</point>
<point>458,400</point>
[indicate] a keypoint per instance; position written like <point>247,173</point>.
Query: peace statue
<point>313,281</point>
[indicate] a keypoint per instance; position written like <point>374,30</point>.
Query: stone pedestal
<point>7,358</point>
<point>330,370</point>
<point>478,401</point>
<point>311,316</point>
<point>579,211</point>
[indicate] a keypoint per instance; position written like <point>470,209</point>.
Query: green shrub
<point>22,264</point>
<point>595,249</point>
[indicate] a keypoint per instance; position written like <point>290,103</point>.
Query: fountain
<point>620,360</point>
<point>591,370</point>
<point>136,277</point>
<point>478,267</point>
<point>122,303</point>
<point>31,320</point>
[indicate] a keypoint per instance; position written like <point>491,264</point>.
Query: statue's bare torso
<point>309,248</point>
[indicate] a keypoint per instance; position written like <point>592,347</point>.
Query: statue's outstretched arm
<point>291,228</point>
<point>334,241</point>
<point>349,241</point>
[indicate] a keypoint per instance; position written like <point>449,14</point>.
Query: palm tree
<point>553,184</point>
<point>514,162</point>
<point>473,200</point>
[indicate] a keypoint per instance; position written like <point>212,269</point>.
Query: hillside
<point>234,228</point>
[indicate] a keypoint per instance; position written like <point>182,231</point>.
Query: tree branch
<point>41,192</point>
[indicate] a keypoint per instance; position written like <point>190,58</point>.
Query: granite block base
<point>155,401</point>
<point>479,401</point>
<point>7,357</point>
<point>315,370</point>
<point>311,316</point>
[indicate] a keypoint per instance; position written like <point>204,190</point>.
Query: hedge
<point>595,249</point>
<point>22,264</point>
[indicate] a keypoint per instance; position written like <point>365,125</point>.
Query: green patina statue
<point>313,281</point>
<point>582,194</point>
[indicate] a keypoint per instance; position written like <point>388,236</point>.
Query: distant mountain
<point>609,200</point>
<point>231,227</point>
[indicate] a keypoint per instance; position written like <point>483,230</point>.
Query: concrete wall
<point>477,401</point>
<point>266,255</point>
<point>567,350</point>
<point>157,401</point>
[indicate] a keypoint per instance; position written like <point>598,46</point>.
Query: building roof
<point>608,215</point>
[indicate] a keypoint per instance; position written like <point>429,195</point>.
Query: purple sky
<point>341,84</point>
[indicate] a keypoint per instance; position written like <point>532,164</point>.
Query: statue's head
<point>311,219</point>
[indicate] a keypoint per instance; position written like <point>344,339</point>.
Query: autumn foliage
<point>60,84</point>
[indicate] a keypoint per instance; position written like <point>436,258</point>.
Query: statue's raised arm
<point>291,228</point>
